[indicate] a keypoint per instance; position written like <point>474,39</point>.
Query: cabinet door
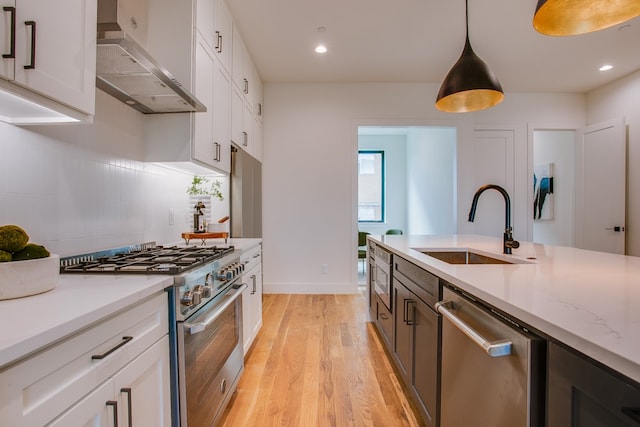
<point>371,278</point>
<point>256,300</point>
<point>97,409</point>
<point>237,111</point>
<point>585,395</point>
<point>256,139</point>
<point>425,380</point>
<point>143,388</point>
<point>205,21</point>
<point>252,306</point>
<point>56,41</point>
<point>224,34</point>
<point>221,117</point>
<point>203,148</point>
<point>404,303</point>
<point>6,64</point>
<point>237,60</point>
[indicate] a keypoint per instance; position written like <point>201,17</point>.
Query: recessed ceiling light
<point>606,67</point>
<point>321,49</point>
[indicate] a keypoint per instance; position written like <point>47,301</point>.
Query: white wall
<point>557,147</point>
<point>395,149</point>
<point>81,188</point>
<point>310,145</point>
<point>620,99</point>
<point>431,180</point>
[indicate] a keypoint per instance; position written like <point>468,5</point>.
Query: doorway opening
<point>415,185</point>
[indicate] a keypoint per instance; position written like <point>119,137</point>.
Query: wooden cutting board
<point>204,236</point>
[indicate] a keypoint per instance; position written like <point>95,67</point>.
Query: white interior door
<point>601,187</point>
<point>494,164</point>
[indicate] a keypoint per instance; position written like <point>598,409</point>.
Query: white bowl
<point>30,277</point>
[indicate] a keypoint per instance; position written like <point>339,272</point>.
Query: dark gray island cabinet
<point>565,388</point>
<point>580,392</point>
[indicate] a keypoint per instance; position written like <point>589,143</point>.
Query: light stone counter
<point>31,323</point>
<point>585,299</point>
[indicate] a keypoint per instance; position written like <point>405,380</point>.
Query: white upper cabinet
<point>211,143</point>
<point>245,74</point>
<point>224,34</point>
<point>206,21</point>
<point>196,142</point>
<point>49,54</point>
<point>214,22</point>
<point>238,62</point>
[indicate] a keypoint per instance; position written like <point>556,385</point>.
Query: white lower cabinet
<point>139,394</point>
<point>88,378</point>
<point>252,296</point>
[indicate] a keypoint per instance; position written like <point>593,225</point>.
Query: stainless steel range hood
<point>125,70</point>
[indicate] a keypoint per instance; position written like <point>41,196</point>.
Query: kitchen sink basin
<point>464,257</point>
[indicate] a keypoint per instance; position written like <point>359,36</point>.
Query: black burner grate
<point>145,259</point>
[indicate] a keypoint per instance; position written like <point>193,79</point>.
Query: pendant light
<point>470,84</point>
<point>571,17</point>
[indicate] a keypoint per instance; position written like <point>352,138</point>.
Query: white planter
<point>30,277</point>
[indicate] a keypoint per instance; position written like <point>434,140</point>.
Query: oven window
<point>205,355</point>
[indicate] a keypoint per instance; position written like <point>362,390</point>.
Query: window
<point>371,186</point>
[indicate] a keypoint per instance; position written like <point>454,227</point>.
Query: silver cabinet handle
<point>216,149</point>
<point>492,348</point>
<point>255,289</point>
<point>219,46</point>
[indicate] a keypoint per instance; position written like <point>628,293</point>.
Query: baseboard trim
<point>310,288</point>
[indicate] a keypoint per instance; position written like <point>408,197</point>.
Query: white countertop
<point>585,299</point>
<point>76,302</point>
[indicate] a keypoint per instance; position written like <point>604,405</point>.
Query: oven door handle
<point>195,327</point>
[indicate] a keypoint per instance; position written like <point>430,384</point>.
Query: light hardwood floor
<point>317,362</point>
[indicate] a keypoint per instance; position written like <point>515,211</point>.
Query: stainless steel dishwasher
<point>492,367</point>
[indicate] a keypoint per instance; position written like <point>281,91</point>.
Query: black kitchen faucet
<point>507,238</point>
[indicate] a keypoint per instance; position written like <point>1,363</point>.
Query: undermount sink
<point>465,257</point>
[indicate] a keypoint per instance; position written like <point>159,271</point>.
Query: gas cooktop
<point>146,258</point>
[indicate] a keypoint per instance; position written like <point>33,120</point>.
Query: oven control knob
<point>187,299</point>
<point>222,274</point>
<point>196,298</point>
<point>207,291</point>
<point>197,294</point>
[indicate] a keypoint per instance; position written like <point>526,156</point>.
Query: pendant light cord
<point>466,10</point>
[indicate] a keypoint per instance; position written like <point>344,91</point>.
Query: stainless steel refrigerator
<point>246,194</point>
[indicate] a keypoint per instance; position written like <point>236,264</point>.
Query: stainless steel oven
<point>205,319</point>
<point>382,276</point>
<point>210,357</point>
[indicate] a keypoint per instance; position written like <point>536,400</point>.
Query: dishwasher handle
<point>492,348</point>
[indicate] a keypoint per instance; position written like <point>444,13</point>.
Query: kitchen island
<point>588,300</point>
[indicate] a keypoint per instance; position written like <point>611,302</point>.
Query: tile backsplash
<point>81,188</point>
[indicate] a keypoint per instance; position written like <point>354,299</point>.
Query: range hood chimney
<point>126,71</point>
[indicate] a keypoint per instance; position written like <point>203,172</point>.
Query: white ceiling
<point>419,40</point>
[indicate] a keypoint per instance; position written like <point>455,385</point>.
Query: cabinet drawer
<point>251,258</point>
<point>422,283</point>
<point>36,390</point>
